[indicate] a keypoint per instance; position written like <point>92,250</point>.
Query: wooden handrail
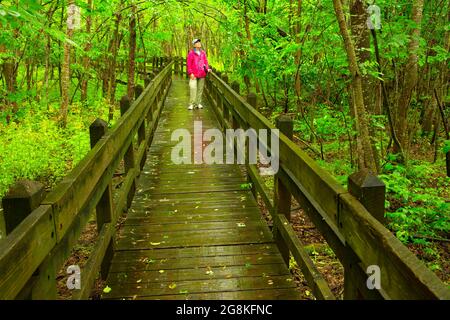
<point>35,250</point>
<point>356,237</point>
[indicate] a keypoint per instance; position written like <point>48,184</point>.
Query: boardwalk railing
<point>357,238</point>
<point>33,253</point>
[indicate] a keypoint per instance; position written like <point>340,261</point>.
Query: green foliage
<point>415,212</point>
<point>38,149</point>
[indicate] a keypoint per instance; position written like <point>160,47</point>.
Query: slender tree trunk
<point>361,38</point>
<point>115,49</point>
<point>86,60</point>
<point>410,78</point>
<point>298,54</point>
<point>366,158</point>
<point>132,54</point>
<point>65,76</point>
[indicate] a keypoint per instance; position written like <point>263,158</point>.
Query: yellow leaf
<point>161,271</point>
<point>155,243</point>
<point>107,289</point>
<point>139,281</point>
<point>172,286</point>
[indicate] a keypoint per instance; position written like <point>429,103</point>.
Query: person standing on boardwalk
<point>197,68</point>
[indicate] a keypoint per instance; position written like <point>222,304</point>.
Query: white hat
<point>195,41</point>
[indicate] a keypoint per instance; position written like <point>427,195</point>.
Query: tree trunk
<point>410,78</point>
<point>65,76</point>
<point>132,54</point>
<point>298,54</point>
<point>366,158</point>
<point>86,60</point>
<point>115,48</point>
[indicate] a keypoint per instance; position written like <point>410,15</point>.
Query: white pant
<point>196,90</point>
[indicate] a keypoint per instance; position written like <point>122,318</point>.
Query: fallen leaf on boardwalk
<point>289,280</point>
<point>241,225</point>
<point>148,260</point>
<point>139,281</point>
<point>196,207</point>
<point>107,289</point>
<point>307,292</point>
<point>161,271</point>
<point>229,276</point>
<point>216,209</point>
<point>166,237</point>
<point>155,243</point>
<point>248,265</point>
<point>184,291</point>
<point>134,297</point>
<point>172,286</point>
<point>163,200</point>
<point>209,271</point>
<point>270,282</point>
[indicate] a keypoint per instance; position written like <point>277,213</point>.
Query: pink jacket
<point>196,64</point>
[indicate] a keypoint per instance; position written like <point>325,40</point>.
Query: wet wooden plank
<point>265,294</point>
<point>196,226</point>
<point>203,251</point>
<point>199,274</point>
<point>204,286</point>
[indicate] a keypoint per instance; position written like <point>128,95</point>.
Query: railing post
<point>181,65</point>
<point>282,201</point>
<point>22,198</point>
<point>147,81</point>
<point>175,66</point>
<point>447,162</point>
<point>141,130</point>
<point>251,99</point>
<point>236,88</point>
<point>252,102</point>
<point>104,209</point>
<point>370,191</point>
<point>129,155</point>
<point>225,78</point>
<point>138,91</point>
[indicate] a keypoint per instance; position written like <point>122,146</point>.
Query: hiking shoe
<point>191,107</point>
<point>200,106</point>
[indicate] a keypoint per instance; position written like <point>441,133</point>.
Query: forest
<point>366,83</point>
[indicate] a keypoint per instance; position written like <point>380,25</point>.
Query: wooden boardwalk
<point>192,231</point>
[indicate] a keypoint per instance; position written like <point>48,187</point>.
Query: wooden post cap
<point>251,99</point>
<point>97,130</point>
<point>22,198</point>
<point>285,124</point>
<point>370,191</point>
<point>235,86</point>
<point>124,104</point>
<point>138,91</point>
